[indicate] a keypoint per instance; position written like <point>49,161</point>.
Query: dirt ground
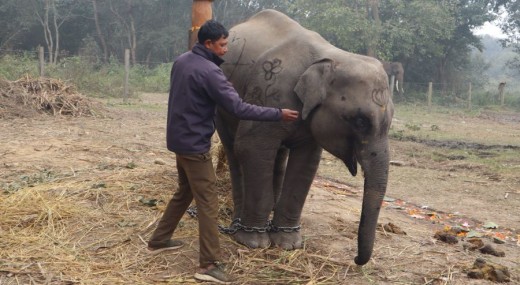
<point>80,196</point>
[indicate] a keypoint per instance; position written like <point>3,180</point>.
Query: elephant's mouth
<point>350,158</point>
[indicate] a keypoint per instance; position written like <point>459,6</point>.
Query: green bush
<point>90,78</point>
<point>151,80</point>
<point>13,67</point>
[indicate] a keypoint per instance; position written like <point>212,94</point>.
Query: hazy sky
<point>490,29</point>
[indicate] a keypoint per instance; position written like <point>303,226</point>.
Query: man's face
<point>218,47</point>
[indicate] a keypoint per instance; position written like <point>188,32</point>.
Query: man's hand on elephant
<point>289,115</point>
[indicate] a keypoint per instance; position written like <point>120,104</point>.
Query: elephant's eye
<point>359,123</point>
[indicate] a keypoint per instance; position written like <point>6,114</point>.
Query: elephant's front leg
<point>301,168</point>
<point>257,162</point>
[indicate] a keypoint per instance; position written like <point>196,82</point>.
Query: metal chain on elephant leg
<point>231,229</point>
<point>236,225</point>
<point>192,211</point>
<point>275,229</point>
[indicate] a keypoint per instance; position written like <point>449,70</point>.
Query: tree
<point>52,14</point>
<point>16,24</point>
<point>155,31</point>
<point>343,23</point>
<point>375,20</point>
<point>99,33</point>
<point>467,15</point>
<point>123,11</point>
<point>511,27</point>
<point>232,12</point>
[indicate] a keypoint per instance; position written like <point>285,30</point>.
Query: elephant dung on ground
<point>345,109</point>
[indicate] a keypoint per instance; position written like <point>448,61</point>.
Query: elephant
<point>345,108</point>
<point>396,69</point>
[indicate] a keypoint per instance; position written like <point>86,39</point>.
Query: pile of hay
<point>28,96</point>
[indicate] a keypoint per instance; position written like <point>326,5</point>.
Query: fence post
<point>501,87</point>
<point>430,90</point>
<point>127,73</point>
<point>41,57</point>
<point>469,96</point>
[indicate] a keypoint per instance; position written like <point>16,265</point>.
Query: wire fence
<point>64,56</point>
<point>88,73</point>
<point>117,79</point>
<point>462,95</point>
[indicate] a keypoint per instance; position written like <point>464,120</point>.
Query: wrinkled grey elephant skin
<point>345,108</point>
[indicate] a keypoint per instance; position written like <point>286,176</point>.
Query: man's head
<point>213,36</point>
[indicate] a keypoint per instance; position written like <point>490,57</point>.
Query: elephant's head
<point>347,104</point>
<point>396,69</point>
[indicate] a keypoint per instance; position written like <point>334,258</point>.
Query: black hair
<point>212,30</point>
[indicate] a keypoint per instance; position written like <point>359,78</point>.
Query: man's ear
<point>312,85</point>
<point>207,43</point>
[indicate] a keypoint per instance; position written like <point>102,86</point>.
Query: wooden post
<point>41,57</point>
<point>501,87</point>
<point>469,96</point>
<point>200,12</point>
<point>430,90</point>
<point>127,75</point>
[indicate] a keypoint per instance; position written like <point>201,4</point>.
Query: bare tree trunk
<point>442,76</point>
<point>372,7</point>
<point>47,31</point>
<point>52,36</point>
<point>56,32</point>
<point>133,38</point>
<point>100,35</point>
<point>130,30</point>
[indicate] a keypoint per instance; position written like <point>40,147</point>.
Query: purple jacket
<point>197,86</point>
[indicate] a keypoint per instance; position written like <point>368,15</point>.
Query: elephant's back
<point>266,30</point>
<point>262,31</point>
<point>272,28</point>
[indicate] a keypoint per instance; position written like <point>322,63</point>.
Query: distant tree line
<point>432,38</point>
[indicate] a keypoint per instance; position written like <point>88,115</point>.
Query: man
<point>197,86</point>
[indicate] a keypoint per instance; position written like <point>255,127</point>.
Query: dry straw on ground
<point>83,221</point>
<point>92,229</point>
<point>53,96</point>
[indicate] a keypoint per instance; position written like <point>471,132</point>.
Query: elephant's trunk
<point>375,167</point>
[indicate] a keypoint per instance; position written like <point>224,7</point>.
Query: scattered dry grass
<point>90,226</point>
<point>93,230</point>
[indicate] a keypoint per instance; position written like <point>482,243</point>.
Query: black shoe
<point>214,274</point>
<point>169,245</point>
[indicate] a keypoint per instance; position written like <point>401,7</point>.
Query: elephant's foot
<point>252,239</point>
<point>285,240</point>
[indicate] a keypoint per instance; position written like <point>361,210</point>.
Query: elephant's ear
<point>312,85</point>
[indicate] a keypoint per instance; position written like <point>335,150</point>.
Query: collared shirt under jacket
<point>197,86</point>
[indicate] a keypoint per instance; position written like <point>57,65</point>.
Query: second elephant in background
<point>396,69</point>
